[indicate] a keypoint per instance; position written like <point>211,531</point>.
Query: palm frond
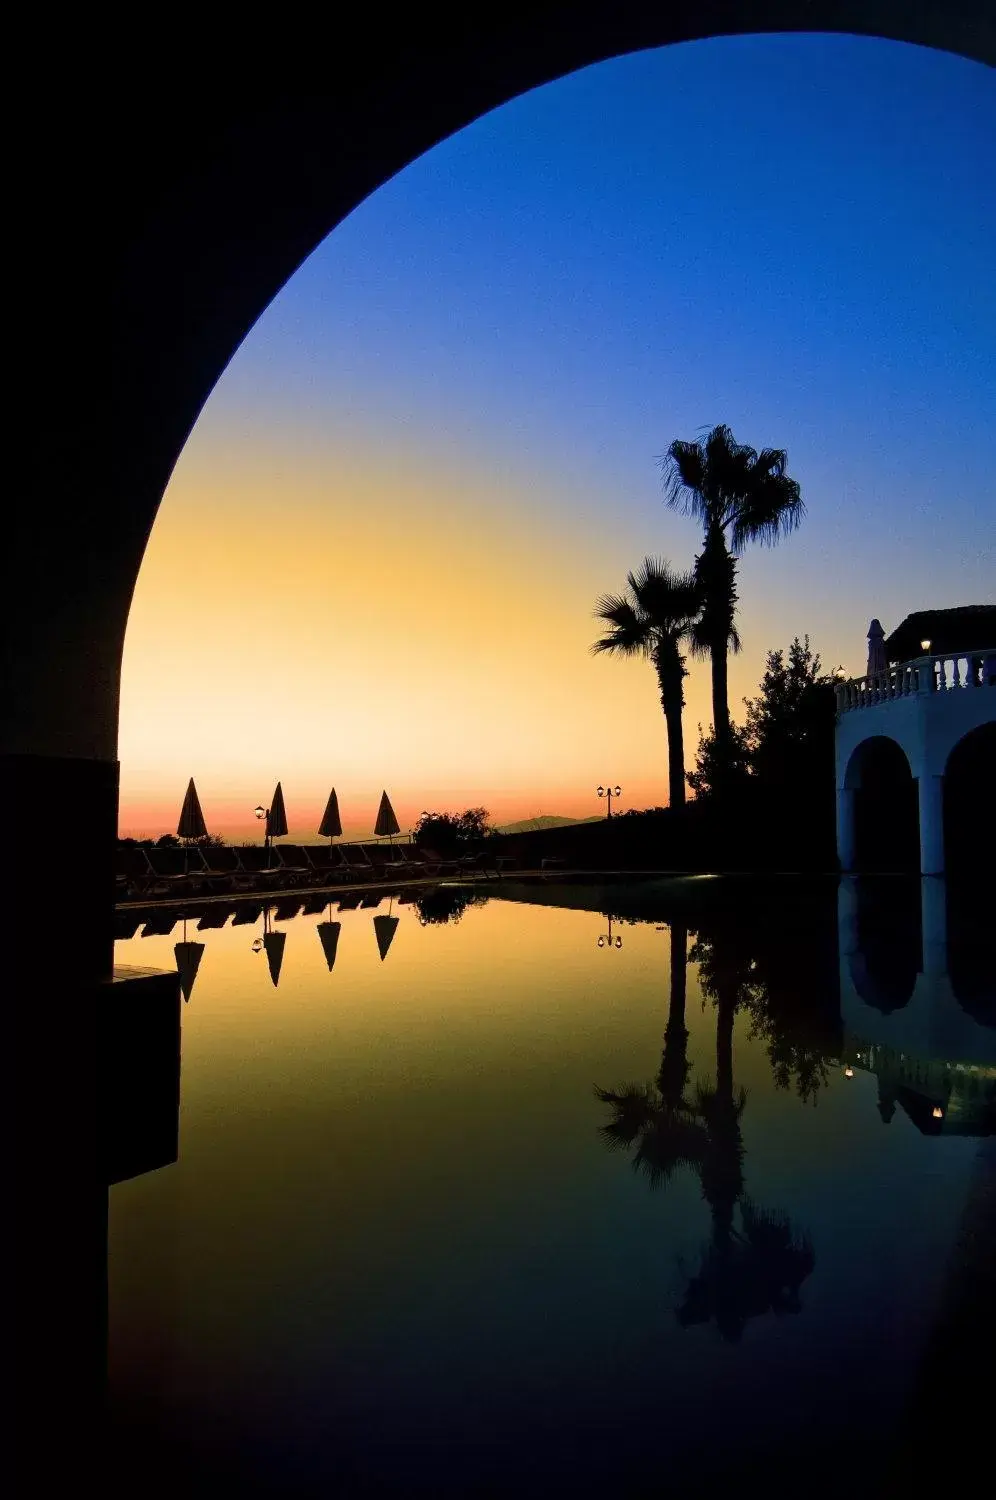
<point>770,504</point>
<point>671,600</point>
<point>631,633</point>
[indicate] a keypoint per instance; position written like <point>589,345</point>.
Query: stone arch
<point>969,796</point>
<point>879,777</point>
<point>274,145</point>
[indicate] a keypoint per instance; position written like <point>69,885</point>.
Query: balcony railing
<point>938,673</point>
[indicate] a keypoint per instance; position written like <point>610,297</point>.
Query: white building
<point>924,714</point>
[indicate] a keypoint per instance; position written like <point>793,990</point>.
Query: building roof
<point>969,627</point>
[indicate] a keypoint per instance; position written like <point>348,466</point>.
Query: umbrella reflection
<point>385,926</point>
<point>328,933</point>
<point>188,961</point>
<point>274,942</point>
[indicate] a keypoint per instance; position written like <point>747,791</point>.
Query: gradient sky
<point>377,558</point>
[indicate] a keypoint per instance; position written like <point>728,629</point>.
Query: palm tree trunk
<point>716,570</point>
<point>674,1063</point>
<point>675,756</point>
<point>720,692</point>
<point>670,665</point>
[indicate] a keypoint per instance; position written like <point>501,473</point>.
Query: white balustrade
<point>936,673</point>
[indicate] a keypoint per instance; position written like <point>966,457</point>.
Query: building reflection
<point>918,1002</point>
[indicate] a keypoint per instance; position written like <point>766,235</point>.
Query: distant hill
<point>546,820</point>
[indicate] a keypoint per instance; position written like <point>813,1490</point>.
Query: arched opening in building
<point>886,818</point>
<point>969,806</point>
<point>888,956</point>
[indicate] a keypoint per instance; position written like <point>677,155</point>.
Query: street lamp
<point>264,812</point>
<point>925,647</point>
<point>610,792</point>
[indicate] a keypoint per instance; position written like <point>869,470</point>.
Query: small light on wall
<point>848,1072</point>
<point>937,1112</point>
<point>924,645</point>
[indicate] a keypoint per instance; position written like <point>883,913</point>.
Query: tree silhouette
<point>654,619</point>
<point>748,1268</point>
<point>740,496</point>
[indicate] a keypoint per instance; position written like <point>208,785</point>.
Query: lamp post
<point>610,792</point>
<point>264,812</point>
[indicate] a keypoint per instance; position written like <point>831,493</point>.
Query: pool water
<point>504,1195</point>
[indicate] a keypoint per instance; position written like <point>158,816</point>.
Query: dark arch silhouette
<point>970,806</point>
<point>167,184</point>
<point>886,818</point>
<point>196,214</point>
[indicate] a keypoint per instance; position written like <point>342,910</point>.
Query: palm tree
<point>740,496</point>
<point>653,619</point>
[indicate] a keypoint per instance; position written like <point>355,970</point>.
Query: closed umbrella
<point>876,649</point>
<point>387,824</point>
<point>331,825</point>
<point>191,824</point>
<point>276,822</point>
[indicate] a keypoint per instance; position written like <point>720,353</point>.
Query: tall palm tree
<point>654,619</point>
<point>740,496</point>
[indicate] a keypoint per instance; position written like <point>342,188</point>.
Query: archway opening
<point>968,806</point>
<point>885,808</point>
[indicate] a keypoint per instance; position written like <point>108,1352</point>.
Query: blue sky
<point>795,235</point>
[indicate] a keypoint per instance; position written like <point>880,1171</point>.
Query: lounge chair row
<point>143,872</point>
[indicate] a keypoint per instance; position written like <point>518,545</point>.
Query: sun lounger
<point>326,864</point>
<point>357,861</point>
<point>294,862</point>
<point>314,904</point>
<point>126,924</point>
<point>222,868</point>
<point>134,868</point>
<point>350,864</point>
<point>440,864</point>
<point>284,910</point>
<point>262,865</point>
<point>178,869</point>
<point>349,903</point>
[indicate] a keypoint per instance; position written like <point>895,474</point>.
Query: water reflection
<point>394,1246</point>
<point>754,1262</point>
<point>445,903</point>
<point>903,1007</point>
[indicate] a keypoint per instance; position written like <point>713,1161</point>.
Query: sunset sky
<point>376,562</point>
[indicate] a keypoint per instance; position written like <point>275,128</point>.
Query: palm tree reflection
<point>754,1261</point>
